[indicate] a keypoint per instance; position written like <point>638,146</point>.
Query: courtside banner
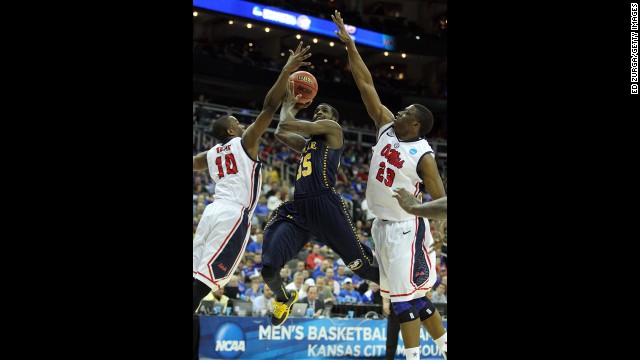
<point>223,337</point>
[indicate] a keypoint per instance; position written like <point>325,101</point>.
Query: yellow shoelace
<point>279,309</point>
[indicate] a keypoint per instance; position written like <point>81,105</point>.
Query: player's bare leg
<point>436,330</point>
<point>411,338</point>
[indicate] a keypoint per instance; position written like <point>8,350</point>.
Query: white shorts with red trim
<point>407,270</point>
<point>219,228</point>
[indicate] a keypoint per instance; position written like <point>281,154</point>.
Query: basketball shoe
<point>281,310</point>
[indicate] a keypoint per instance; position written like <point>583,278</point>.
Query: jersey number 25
<point>304,169</point>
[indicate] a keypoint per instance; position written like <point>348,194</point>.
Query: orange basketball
<point>306,84</point>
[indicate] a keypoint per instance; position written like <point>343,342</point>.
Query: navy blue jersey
<point>316,210</point>
<point>318,167</point>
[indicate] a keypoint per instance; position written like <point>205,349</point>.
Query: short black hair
<point>425,117</point>
<point>334,112</point>
<point>220,127</point>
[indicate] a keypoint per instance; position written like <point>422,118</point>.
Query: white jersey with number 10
<point>237,176</point>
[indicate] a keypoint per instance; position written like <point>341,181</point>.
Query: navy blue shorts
<point>322,214</point>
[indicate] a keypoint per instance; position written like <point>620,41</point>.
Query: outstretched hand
<point>290,99</point>
<point>296,58</point>
<point>342,33</point>
<point>438,241</point>
<point>405,199</point>
<point>290,104</point>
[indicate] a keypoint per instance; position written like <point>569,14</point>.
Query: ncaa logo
<point>355,264</point>
<point>229,341</point>
<point>413,151</point>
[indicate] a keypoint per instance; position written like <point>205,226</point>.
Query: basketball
<point>306,84</point>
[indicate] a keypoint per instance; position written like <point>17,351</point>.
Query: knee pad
<point>371,273</point>
<point>428,310</point>
<point>268,273</point>
<point>406,311</point>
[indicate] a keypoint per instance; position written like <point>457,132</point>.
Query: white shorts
<point>220,241</point>
<point>407,270</point>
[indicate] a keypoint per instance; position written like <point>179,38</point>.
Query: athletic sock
<point>441,342</point>
<point>412,353</point>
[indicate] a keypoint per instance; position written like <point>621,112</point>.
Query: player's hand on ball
<point>405,199</point>
<point>342,31</point>
<point>300,106</point>
<point>296,59</point>
<point>290,99</point>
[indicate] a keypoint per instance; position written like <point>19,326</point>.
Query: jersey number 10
<point>230,164</point>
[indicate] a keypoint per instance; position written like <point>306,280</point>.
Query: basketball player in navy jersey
<point>222,234</point>
<point>402,158</point>
<point>316,209</point>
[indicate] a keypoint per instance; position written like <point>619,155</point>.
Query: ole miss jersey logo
<point>386,175</point>
<point>392,156</point>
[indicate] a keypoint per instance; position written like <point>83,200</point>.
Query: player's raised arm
<point>252,134</point>
<point>200,161</point>
<point>289,109</point>
<point>378,112</point>
<point>319,127</point>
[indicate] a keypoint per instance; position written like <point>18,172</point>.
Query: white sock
<point>441,342</point>
<point>412,353</point>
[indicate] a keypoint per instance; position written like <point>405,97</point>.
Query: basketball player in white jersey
<point>402,158</point>
<point>223,231</point>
